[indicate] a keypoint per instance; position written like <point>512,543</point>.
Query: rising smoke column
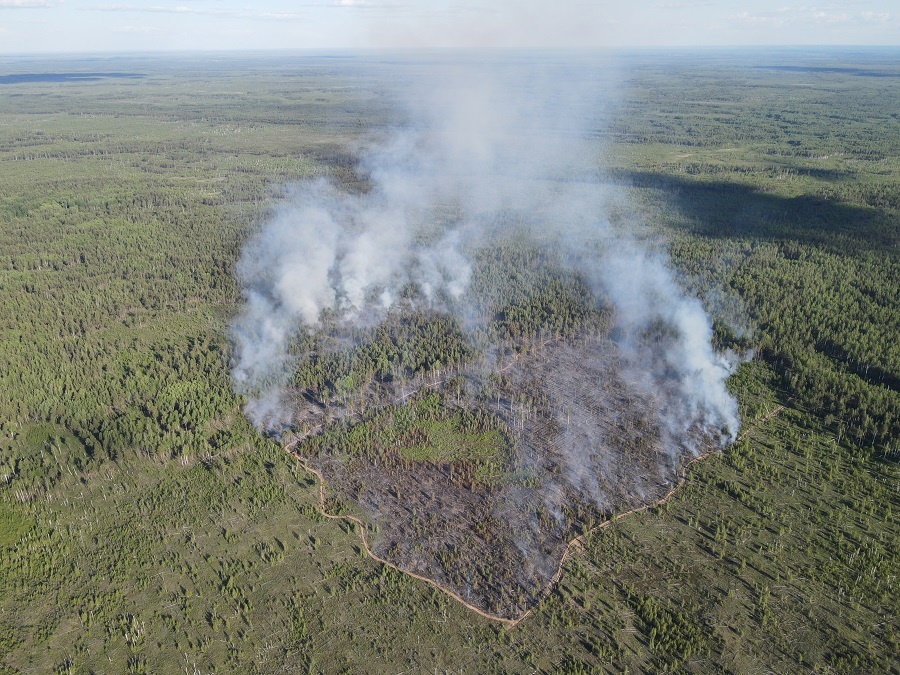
<point>487,139</point>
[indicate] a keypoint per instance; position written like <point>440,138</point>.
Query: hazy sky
<point>90,25</point>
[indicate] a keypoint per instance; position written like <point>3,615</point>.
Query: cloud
<point>500,24</point>
<point>162,9</point>
<point>224,24</point>
<point>827,17</point>
<point>155,9</point>
<point>369,5</point>
<point>199,11</point>
<point>761,19</point>
<point>682,5</point>
<point>139,30</point>
<point>26,4</point>
<point>811,15</point>
<point>280,16</point>
<point>876,17</point>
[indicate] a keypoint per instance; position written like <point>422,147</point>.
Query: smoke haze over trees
<point>486,149</point>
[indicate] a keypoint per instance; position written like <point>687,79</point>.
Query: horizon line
<point>451,50</point>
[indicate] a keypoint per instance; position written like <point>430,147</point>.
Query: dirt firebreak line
<point>575,544</point>
<point>365,543</point>
<point>578,542</point>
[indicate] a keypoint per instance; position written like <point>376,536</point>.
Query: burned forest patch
<point>477,477</point>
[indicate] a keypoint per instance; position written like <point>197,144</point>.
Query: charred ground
<point>476,451</point>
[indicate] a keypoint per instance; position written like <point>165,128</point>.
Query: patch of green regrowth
<point>425,429</point>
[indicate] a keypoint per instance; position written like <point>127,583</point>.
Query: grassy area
<point>226,566</point>
<point>423,430</point>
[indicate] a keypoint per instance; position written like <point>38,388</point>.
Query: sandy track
<point>576,544</point>
<point>365,543</point>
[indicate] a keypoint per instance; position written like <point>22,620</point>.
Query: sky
<point>48,26</point>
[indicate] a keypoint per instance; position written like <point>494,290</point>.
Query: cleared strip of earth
<point>574,545</point>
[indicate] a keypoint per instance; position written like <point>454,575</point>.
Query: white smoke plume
<point>645,292</point>
<point>487,138</point>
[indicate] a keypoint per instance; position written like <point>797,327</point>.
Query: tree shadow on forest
<point>21,78</point>
<point>732,210</point>
<point>859,72</point>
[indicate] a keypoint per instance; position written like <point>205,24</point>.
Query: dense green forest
<point>145,526</point>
